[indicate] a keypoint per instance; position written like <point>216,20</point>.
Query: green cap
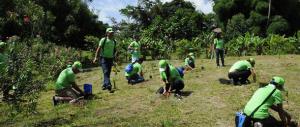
<point>278,80</point>
<point>2,44</point>
<point>252,61</point>
<point>77,65</point>
<point>109,30</point>
<point>162,65</point>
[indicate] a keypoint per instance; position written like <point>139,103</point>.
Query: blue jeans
<point>106,64</point>
<point>135,79</point>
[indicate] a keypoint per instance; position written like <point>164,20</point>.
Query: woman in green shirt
<point>219,47</point>
<point>172,79</point>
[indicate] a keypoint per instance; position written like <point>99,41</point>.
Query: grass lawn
<point>210,104</point>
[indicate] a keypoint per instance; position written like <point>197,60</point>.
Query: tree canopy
<point>64,22</point>
<point>284,16</point>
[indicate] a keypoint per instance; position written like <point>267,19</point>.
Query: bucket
<point>87,89</point>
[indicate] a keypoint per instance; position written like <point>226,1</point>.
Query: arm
<point>75,86</point>
<point>253,74</point>
<point>167,84</point>
<point>142,73</point>
<point>215,44</point>
<point>96,55</point>
<point>130,46</point>
<point>284,116</point>
<point>188,67</point>
<point>167,91</point>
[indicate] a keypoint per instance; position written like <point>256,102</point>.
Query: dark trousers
<point>135,79</point>
<point>220,53</point>
<point>267,122</point>
<point>177,86</point>
<point>192,65</point>
<point>106,64</point>
<point>239,76</point>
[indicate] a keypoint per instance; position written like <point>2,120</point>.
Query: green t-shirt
<point>108,49</point>
<point>3,62</point>
<point>258,97</point>
<point>137,69</point>
<point>188,60</point>
<point>136,53</point>
<point>219,43</point>
<point>241,65</point>
<point>65,79</point>
<point>174,74</point>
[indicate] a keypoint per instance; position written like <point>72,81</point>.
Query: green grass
<point>210,104</point>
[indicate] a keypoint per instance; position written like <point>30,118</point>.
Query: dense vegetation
<point>44,36</point>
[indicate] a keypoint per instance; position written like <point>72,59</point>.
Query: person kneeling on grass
<point>241,70</point>
<point>134,72</point>
<point>269,96</point>
<point>66,89</point>
<point>189,62</point>
<point>171,78</point>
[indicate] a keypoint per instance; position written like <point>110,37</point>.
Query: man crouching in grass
<point>66,89</point>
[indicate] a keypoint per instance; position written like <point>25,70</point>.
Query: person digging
<point>189,62</point>
<point>171,78</point>
<point>241,70</point>
<point>134,72</point>
<point>263,99</point>
<point>65,88</point>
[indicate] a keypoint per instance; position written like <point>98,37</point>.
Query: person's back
<point>174,74</point>
<point>257,99</point>
<point>240,66</point>
<point>137,68</point>
<point>136,74</point>
<point>65,79</point>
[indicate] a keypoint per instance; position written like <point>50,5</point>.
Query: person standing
<point>107,49</point>
<point>219,48</point>
<point>135,49</point>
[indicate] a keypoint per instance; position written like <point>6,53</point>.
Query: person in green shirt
<point>274,102</point>
<point>135,49</point>
<point>134,72</point>
<point>107,47</point>
<point>219,48</point>
<point>3,66</point>
<point>65,87</point>
<point>241,70</point>
<point>171,78</point>
<point>189,62</point>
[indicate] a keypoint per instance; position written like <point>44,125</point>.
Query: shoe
<point>55,102</point>
<point>104,88</point>
<point>108,88</point>
<point>178,96</point>
<point>160,90</point>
